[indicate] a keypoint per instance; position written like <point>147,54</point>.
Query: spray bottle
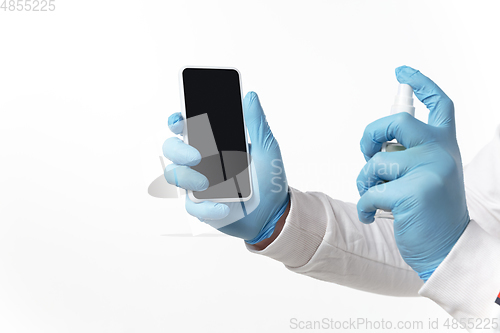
<point>403,102</point>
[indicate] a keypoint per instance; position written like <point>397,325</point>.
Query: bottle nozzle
<point>405,90</point>
<point>404,100</point>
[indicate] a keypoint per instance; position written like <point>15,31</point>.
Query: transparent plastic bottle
<point>403,102</point>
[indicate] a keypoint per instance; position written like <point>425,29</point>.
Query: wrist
<point>425,275</point>
<point>271,230</point>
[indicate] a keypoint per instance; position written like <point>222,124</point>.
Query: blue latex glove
<point>425,191</point>
<point>270,187</point>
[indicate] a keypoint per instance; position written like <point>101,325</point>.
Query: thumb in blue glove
<point>252,220</point>
<point>425,188</point>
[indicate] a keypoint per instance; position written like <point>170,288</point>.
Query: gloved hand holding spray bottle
<point>422,185</point>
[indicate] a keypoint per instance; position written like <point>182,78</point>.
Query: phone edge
<point>186,135</point>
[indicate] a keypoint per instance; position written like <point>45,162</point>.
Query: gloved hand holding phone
<point>425,186</point>
<point>269,183</point>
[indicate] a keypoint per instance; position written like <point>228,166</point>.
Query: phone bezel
<point>186,135</point>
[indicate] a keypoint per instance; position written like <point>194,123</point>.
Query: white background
<point>85,93</point>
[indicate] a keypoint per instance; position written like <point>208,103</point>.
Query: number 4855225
<point>28,5</point>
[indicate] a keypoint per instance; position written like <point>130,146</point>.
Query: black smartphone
<point>212,106</point>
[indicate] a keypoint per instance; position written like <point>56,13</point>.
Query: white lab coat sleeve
<point>466,284</point>
<point>324,239</point>
<point>482,186</point>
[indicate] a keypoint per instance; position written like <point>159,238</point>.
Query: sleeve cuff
<point>467,282</point>
<point>302,233</point>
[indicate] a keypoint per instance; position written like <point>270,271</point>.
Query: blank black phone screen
<point>215,126</point>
